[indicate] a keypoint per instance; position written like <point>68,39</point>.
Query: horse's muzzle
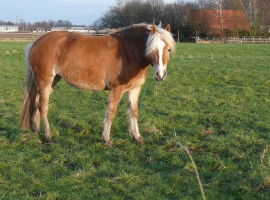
<point>161,77</point>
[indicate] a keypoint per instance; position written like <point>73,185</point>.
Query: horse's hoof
<point>51,141</point>
<point>109,143</point>
<point>140,140</point>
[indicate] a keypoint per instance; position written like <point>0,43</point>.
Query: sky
<point>78,12</point>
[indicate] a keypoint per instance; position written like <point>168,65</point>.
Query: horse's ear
<point>168,28</point>
<point>153,29</point>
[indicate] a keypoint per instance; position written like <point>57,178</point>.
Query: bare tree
<point>157,10</point>
<point>264,17</point>
<point>22,26</point>
<point>219,16</point>
<point>129,12</point>
<point>237,7</point>
<point>252,11</point>
<point>177,15</point>
<point>207,4</point>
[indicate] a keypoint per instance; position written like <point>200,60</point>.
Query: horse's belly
<point>84,81</point>
<point>88,85</point>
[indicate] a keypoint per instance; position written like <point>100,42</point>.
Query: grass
<point>215,101</point>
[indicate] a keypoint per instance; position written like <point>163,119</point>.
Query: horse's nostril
<point>165,74</point>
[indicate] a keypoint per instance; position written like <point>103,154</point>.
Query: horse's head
<point>159,45</point>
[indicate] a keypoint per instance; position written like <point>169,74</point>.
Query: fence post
<point>178,36</point>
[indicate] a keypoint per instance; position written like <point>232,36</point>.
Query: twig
<point>224,167</point>
<point>195,168</point>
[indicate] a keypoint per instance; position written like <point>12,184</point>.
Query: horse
<point>117,62</point>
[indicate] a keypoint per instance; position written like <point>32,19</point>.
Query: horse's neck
<point>137,36</point>
<point>136,40</point>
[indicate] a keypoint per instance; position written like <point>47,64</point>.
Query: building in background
<point>220,23</point>
<point>8,28</point>
<point>75,29</point>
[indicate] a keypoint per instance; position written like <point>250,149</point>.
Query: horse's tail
<point>31,97</point>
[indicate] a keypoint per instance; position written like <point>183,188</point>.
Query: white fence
<point>248,40</point>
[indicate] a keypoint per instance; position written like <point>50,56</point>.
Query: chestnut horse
<point>117,62</point>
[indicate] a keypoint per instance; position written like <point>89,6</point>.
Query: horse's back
<point>63,41</point>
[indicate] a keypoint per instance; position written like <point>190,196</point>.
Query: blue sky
<point>79,12</point>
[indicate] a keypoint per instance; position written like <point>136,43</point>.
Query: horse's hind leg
<point>133,96</point>
<point>35,121</point>
<point>44,107</point>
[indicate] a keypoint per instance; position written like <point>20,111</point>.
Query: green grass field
<point>215,101</point>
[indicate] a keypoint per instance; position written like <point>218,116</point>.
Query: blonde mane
<point>153,40</point>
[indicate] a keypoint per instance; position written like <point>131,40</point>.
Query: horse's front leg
<point>114,99</point>
<point>133,96</point>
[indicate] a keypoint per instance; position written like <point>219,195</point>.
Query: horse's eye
<point>169,50</point>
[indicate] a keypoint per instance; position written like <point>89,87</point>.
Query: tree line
<point>177,14</point>
<point>127,12</point>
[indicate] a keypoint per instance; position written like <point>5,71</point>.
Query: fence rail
<point>235,40</point>
<point>20,36</point>
<point>248,40</point>
<point>229,40</point>
<point>28,37</point>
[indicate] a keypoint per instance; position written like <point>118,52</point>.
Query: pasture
<point>215,101</point>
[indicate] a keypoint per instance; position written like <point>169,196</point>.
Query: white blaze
<point>160,67</point>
